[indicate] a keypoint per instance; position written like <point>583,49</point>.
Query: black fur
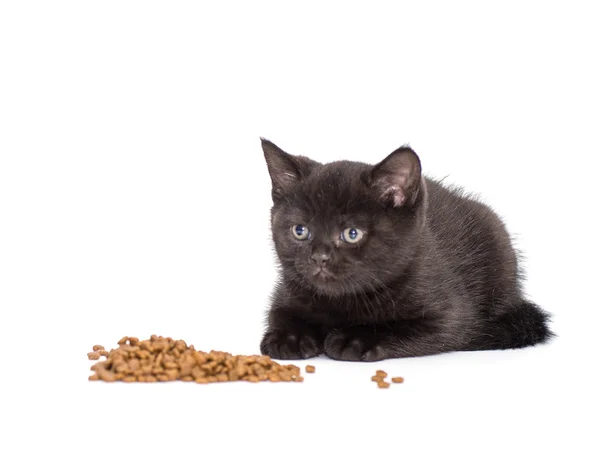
<point>435,270</point>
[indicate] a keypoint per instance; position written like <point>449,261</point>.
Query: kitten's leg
<point>376,343</point>
<point>289,336</point>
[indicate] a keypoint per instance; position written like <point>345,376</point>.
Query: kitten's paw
<point>347,346</point>
<point>286,345</point>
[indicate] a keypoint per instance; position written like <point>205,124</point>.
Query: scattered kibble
<point>97,348</point>
<point>380,376</point>
<point>310,369</point>
<point>164,359</point>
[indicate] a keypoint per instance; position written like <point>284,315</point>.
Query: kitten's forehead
<point>335,187</point>
<point>335,178</point>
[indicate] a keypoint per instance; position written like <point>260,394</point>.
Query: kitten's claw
<point>285,345</point>
<point>352,347</point>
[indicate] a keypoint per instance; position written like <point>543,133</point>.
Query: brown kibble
<point>165,359</point>
<point>173,374</point>
<point>398,379</point>
<point>107,375</point>
<point>232,375</point>
<point>381,373</point>
<point>186,368</point>
<point>383,384</point>
<point>377,378</point>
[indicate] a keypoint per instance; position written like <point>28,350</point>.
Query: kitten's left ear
<point>397,178</point>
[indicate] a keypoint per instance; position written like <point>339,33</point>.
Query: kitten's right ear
<point>285,170</point>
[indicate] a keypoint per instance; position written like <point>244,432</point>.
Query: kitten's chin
<point>326,282</point>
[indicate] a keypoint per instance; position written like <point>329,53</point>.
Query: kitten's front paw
<point>354,346</point>
<point>286,345</point>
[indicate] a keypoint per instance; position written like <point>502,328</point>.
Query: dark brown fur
<point>434,272</point>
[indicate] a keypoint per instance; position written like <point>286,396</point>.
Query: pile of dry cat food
<point>164,359</point>
<point>380,376</point>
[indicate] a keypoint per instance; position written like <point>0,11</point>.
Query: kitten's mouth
<point>322,273</point>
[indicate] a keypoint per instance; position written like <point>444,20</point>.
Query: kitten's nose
<point>320,257</point>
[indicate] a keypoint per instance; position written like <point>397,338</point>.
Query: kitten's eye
<point>300,232</point>
<point>352,235</point>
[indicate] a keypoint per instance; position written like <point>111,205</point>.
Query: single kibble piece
<point>310,369</point>
<point>381,373</point>
<point>383,384</point>
<point>93,355</point>
<point>134,341</point>
<point>377,378</point>
<point>97,347</point>
<point>398,380</point>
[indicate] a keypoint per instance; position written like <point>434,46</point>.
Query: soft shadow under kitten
<point>378,261</point>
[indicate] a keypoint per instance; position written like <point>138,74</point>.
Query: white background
<point>134,200</point>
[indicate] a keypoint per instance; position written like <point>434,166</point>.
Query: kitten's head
<point>345,227</point>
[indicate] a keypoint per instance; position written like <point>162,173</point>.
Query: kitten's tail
<point>523,325</point>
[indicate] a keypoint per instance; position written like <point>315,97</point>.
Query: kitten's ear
<point>397,179</point>
<point>285,169</point>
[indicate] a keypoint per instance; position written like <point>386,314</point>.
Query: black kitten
<point>381,262</point>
